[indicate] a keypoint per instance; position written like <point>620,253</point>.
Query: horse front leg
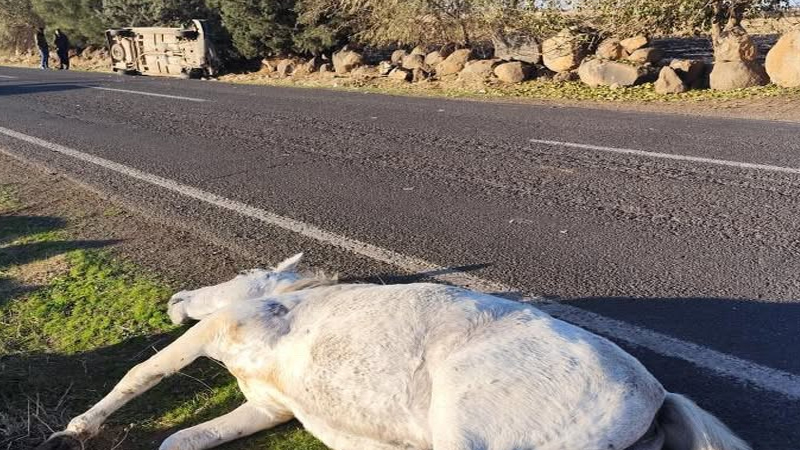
<point>142,377</point>
<point>243,421</point>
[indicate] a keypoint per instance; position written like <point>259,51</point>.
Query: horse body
<point>415,367</point>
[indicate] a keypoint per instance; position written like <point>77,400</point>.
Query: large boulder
<point>454,63</point>
<point>517,47</point>
<point>635,43</point>
<point>384,68</point>
<point>728,75</point>
<point>646,55</point>
<point>345,60</point>
<point>513,72</point>
<point>286,67</point>
<point>597,72</point>
<point>734,44</point>
<point>669,82</point>
<point>432,59</point>
<point>783,60</point>
<point>478,70</point>
<point>397,57</point>
<point>413,61</point>
<point>691,71</point>
<point>564,51</point>
<point>400,74</point>
<point>611,49</point>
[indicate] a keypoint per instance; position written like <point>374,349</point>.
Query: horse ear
<point>289,264</point>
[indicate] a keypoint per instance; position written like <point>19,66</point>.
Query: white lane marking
<point>746,372</point>
<point>629,151</point>
<point>151,94</point>
<point>8,77</point>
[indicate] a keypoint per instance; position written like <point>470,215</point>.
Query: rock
<point>596,72</point>
<point>478,70</point>
<point>728,75</point>
<point>364,72</point>
<point>646,55</point>
<point>513,72</point>
<point>669,82</point>
<point>400,74</point>
<point>286,67</point>
<point>384,67</point>
<point>690,70</point>
<point>635,43</point>
<point>454,63</point>
<point>397,57</point>
<point>564,51</point>
<point>565,77</point>
<point>517,47</point>
<point>420,50</point>
<point>268,66</point>
<point>345,60</point>
<point>413,61</point>
<point>611,49</point>
<point>783,60</point>
<point>433,58</point>
<point>734,44</point>
<point>419,75</point>
<point>311,65</point>
<point>325,68</point>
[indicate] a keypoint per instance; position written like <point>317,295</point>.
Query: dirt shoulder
<point>764,103</point>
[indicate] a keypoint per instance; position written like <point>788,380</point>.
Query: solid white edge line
<point>151,94</point>
<point>747,372</point>
<point>629,151</point>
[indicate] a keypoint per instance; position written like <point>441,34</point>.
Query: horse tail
<point>688,427</point>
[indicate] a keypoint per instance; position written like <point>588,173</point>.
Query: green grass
<point>99,302</point>
<point>8,198</point>
<point>65,342</point>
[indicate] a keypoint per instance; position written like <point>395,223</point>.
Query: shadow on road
<point>36,88</point>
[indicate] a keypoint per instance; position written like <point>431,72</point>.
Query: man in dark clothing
<point>62,49</point>
<point>44,49</point>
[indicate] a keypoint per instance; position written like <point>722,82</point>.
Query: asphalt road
<point>692,249</point>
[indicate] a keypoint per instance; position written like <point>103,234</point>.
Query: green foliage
<point>258,27</point>
<point>17,22</point>
<point>81,20</point>
<point>8,198</point>
<point>98,302</point>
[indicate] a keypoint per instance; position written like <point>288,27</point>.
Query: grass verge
<point>74,317</point>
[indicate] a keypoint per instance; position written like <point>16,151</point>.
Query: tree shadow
<point>21,232</point>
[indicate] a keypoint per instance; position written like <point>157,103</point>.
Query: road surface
<point>675,236</point>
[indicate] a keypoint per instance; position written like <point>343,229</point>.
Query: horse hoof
<point>61,442</point>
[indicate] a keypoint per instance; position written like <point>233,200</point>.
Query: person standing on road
<point>44,49</point>
<point>62,49</point>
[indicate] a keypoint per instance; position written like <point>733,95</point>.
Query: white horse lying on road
<point>415,367</point>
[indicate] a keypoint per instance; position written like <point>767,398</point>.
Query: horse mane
<point>308,281</point>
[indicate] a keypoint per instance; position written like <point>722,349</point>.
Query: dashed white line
<point>9,77</point>
<point>629,151</point>
<point>151,94</point>
<point>728,366</point>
